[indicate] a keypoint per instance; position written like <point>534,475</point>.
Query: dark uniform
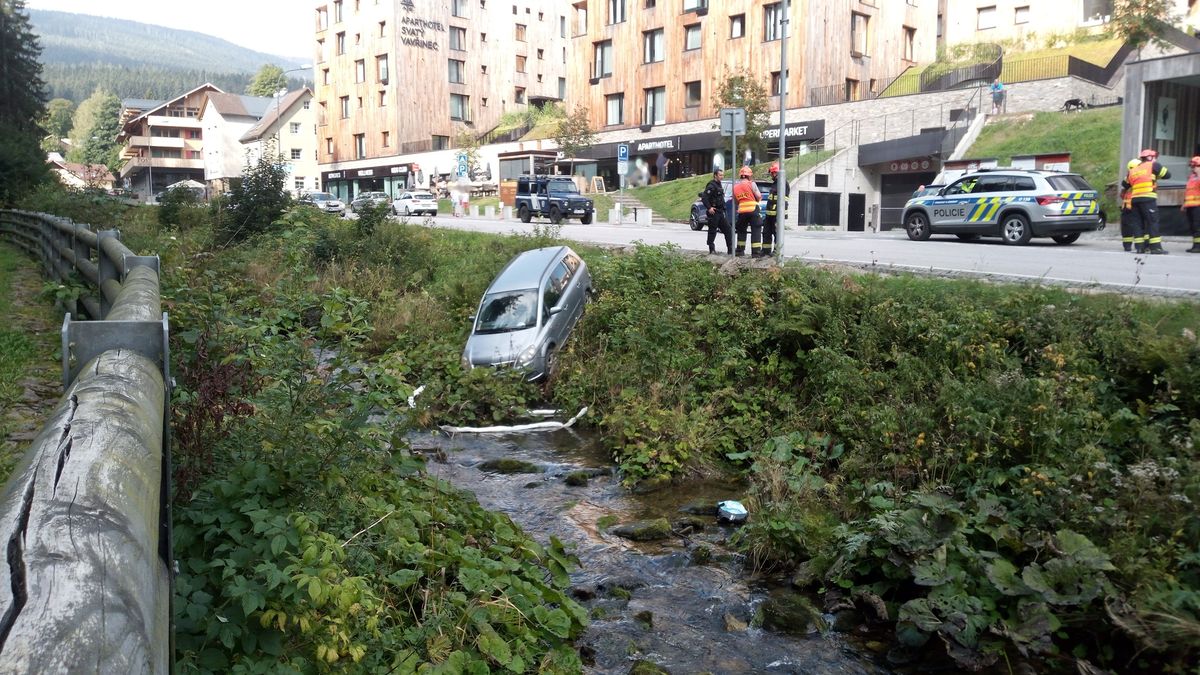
<point>770,238</point>
<point>713,199</point>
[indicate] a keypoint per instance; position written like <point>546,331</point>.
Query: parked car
<point>699,217</point>
<point>371,198</point>
<point>528,311</point>
<point>553,197</point>
<point>409,203</point>
<point>324,201</point>
<point>1013,204</point>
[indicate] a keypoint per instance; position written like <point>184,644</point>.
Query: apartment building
<point>396,78</point>
<point>162,142</point>
<point>224,119</point>
<point>968,21</point>
<point>289,129</point>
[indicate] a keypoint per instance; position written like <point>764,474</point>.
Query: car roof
<point>525,270</point>
<point>1018,172</point>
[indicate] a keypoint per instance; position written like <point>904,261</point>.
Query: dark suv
<point>553,197</point>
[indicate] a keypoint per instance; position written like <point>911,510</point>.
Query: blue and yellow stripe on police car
<point>985,208</point>
<point>1073,209</point>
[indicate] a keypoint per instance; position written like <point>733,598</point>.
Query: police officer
<point>746,197</point>
<point>1191,203</point>
<point>770,237</point>
<point>1128,234</point>
<point>713,199</point>
<point>1142,182</point>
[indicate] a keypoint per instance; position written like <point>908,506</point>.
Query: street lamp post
<point>781,181</point>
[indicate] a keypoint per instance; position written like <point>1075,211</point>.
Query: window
<point>603,59</point>
<point>852,91</point>
<point>306,105</point>
<point>615,109</point>
<point>650,4</point>
<point>345,101</point>
<point>562,88</point>
<point>820,180</point>
<point>294,127</point>
<point>341,43</point>
<point>459,107</point>
<point>360,146</point>
<point>519,95</point>
<point>337,11</point>
<point>691,37</point>
<point>652,46</point>
<point>360,71</point>
<point>295,153</point>
<point>382,98</point>
<point>910,40</point>
<point>541,54</point>
<point>616,11</point>
<point>298,181</point>
<point>483,37</point>
<point>1021,14</point>
<point>382,28</point>
<point>381,68</point>
<point>771,17</point>
<point>458,7</point>
<point>775,84</point>
<point>691,94</point>
<point>325,76</point>
<point>457,68</point>
<point>458,39</point>
<point>520,32</point>
<point>329,146</point>
<point>689,5</point>
<point>321,51</point>
<point>483,102</point>
<point>483,68</point>
<point>385,139</point>
<point>562,26</point>
<point>441,142</point>
<point>520,64</point>
<point>539,77</point>
<point>858,34</point>
<point>1098,10</point>
<point>656,106</point>
<point>986,18</point>
<point>323,114</point>
<point>737,26</point>
<point>322,18</point>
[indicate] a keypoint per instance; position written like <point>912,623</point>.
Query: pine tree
<point>21,94</point>
<point>94,130</point>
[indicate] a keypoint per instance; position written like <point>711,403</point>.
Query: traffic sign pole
<point>622,169</point>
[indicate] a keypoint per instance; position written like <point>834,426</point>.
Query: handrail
<point>986,71</point>
<point>87,581</point>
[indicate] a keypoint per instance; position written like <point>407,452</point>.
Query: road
<point>1096,261</point>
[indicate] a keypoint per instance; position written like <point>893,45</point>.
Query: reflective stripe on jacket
<point>1191,196</point>
<point>743,194</point>
<point>1127,199</point>
<point>1143,179</point>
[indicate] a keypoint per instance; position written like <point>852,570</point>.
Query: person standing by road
<point>1128,234</point>
<point>713,199</point>
<point>1143,183</point>
<point>771,224</point>
<point>1191,203</point>
<point>747,196</point>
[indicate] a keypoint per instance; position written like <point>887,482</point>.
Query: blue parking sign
<point>462,168</point>
<point>623,152</point>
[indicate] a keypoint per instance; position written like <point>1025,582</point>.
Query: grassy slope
<point>1093,137</point>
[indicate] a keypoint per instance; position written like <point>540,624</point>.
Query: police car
<point>1013,204</point>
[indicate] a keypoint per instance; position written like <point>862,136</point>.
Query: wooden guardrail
<point>86,582</point>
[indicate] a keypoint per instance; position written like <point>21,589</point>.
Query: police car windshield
<point>562,186</point>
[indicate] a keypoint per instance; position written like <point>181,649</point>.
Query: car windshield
<point>320,196</point>
<point>1068,182</point>
<point>567,186</point>
<point>421,195</point>
<point>508,311</point>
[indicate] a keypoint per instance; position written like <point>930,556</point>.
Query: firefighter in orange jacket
<point>746,197</point>
<point>1143,183</point>
<point>1127,232</point>
<point>1191,203</point>
<point>770,238</point>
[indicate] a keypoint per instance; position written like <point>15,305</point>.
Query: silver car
<point>528,311</point>
<point>1013,204</point>
<point>365,199</point>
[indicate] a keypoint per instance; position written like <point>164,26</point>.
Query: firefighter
<point>713,199</point>
<point>1142,182</point>
<point>746,196</point>
<point>1191,203</point>
<point>770,238</point>
<point>1127,231</point>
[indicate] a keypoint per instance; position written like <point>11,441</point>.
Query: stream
<point>683,603</point>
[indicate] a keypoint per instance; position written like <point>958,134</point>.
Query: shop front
<point>391,178</point>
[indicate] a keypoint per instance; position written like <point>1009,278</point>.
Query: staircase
<point>629,203</point>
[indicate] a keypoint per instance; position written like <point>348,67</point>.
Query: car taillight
<point>1047,200</point>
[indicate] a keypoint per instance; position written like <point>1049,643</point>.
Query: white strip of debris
<point>534,426</point>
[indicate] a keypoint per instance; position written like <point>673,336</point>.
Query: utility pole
<point>781,180</point>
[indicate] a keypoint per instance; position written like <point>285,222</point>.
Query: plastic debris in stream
<point>730,511</point>
<point>533,426</point>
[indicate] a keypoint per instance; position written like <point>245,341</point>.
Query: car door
<point>947,212</point>
<point>991,193</point>
<point>559,325</point>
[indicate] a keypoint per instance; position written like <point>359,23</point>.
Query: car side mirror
<point>555,310</point>
<point>471,318</point>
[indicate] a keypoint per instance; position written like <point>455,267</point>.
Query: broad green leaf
<point>495,648</point>
<point>1003,575</point>
<point>919,613</point>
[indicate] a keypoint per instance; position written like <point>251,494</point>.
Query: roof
<point>238,105</point>
<point>162,104</point>
<point>274,115</point>
<point>141,103</point>
<point>86,172</point>
<point>526,269</point>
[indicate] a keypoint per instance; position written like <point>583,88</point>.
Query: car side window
<point>992,184</point>
<point>1023,183</point>
<point>556,283</point>
<point>572,263</point>
<point>961,186</point>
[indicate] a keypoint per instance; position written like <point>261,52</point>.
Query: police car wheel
<point>524,214</point>
<point>1014,229</point>
<point>555,215</point>
<point>695,223</point>
<point>586,219</point>
<point>1065,239</point>
<point>917,226</point>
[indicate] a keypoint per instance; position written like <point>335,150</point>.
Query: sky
<point>279,27</point>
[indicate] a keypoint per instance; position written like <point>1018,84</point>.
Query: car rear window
<point>422,195</point>
<point>1068,182</point>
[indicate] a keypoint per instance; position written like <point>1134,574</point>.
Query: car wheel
<point>917,226</point>
<point>1065,239</point>
<point>968,237</point>
<point>551,362</point>
<point>1015,230</point>
<point>586,219</point>
<point>524,214</point>
<point>696,224</point>
<point>555,215</point>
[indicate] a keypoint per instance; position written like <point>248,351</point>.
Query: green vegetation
<point>16,349</point>
<point>1093,138</point>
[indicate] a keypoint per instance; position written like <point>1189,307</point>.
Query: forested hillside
<point>131,59</point>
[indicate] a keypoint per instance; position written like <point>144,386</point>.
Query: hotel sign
<point>656,145</point>
<point>416,32</point>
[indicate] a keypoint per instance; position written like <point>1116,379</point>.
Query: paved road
<point>1095,261</point>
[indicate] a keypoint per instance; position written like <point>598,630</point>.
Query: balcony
<point>175,122</point>
<point>156,142</point>
<point>135,163</point>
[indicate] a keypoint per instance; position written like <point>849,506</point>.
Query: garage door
<point>895,191</point>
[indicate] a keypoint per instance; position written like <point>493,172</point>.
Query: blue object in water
<point>731,512</point>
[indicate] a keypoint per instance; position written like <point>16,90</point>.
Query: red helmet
<point>746,172</point>
<point>1195,161</point>
<point>775,168</point>
<point>1148,153</point>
